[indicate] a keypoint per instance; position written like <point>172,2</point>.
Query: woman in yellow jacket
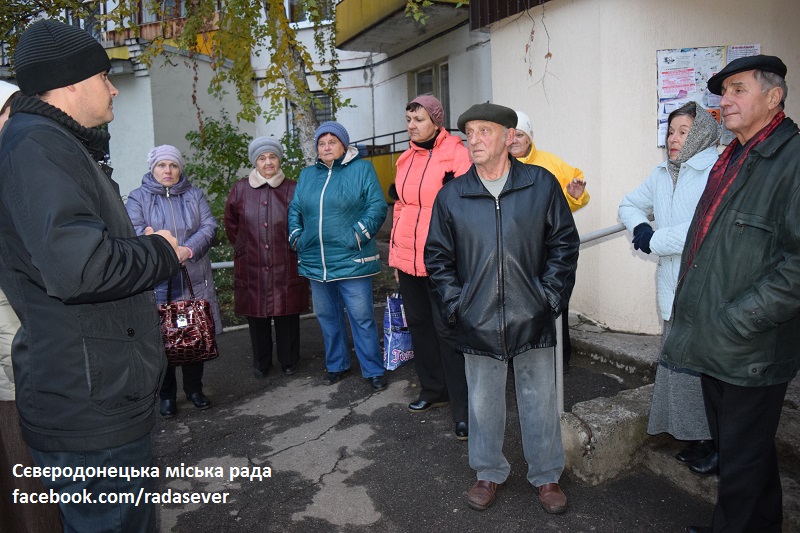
<point>570,178</point>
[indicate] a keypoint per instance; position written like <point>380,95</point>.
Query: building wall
<point>131,130</point>
<point>174,115</point>
<point>378,88</point>
<point>157,109</point>
<point>594,104</point>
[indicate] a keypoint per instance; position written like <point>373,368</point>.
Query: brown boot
<point>481,495</point>
<point>552,498</point>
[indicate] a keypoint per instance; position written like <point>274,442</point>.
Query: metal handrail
<point>399,140</point>
<point>559,351</point>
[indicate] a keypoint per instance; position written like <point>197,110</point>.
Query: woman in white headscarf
<point>670,194</point>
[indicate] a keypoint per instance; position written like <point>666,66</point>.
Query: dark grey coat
<point>88,358</point>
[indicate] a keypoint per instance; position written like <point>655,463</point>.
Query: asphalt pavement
<point>344,458</point>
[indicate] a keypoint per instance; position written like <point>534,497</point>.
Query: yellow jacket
<point>562,171</point>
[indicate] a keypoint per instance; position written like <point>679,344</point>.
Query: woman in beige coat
<point>21,517</point>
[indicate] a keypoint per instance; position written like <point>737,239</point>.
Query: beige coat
<point>9,324</point>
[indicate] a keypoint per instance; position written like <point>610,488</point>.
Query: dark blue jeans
<point>106,517</point>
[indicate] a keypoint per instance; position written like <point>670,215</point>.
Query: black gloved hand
<point>641,237</point>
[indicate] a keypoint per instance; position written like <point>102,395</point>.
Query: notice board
<point>683,75</point>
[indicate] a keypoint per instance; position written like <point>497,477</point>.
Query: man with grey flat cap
<point>737,304</point>
<point>502,251</point>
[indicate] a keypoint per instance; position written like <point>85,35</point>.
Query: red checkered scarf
<point>720,179</point>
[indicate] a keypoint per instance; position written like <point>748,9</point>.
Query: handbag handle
<point>185,274</point>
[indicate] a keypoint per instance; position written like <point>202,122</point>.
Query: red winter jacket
<point>420,175</point>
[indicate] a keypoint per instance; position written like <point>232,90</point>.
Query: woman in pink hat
<point>433,158</point>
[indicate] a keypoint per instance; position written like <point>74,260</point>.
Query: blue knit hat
<point>334,128</point>
<point>261,145</point>
<point>165,152</point>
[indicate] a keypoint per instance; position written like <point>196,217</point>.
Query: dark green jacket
<point>737,306</point>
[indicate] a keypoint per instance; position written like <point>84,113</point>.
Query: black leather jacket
<point>503,269</point>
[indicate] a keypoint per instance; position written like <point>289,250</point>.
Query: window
<point>150,11</point>
<point>89,23</point>
<point>323,110</point>
<point>434,80</point>
<point>296,10</point>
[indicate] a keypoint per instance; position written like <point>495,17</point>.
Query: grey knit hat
<point>51,54</point>
<point>261,145</point>
<point>335,128</point>
<point>165,152</point>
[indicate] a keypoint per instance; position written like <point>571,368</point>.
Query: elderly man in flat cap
<point>737,304</point>
<point>88,358</point>
<point>502,252</point>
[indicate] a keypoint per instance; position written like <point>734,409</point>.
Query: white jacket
<point>9,324</point>
<point>673,212</point>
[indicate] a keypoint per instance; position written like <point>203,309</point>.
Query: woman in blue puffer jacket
<point>336,211</point>
<point>166,200</point>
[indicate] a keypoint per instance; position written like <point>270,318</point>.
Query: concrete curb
<point>605,437</point>
<point>602,437</point>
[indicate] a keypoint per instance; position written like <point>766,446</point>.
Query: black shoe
<point>260,374</point>
<point>698,529</point>
<point>462,431</point>
<point>421,405</point>
<point>334,377</point>
<point>378,382</point>
<point>199,400</point>
<point>169,408</point>
<point>696,450</point>
<point>707,466</point>
<point>290,369</point>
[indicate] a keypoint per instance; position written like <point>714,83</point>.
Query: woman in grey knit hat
<point>670,194</point>
<point>267,287</point>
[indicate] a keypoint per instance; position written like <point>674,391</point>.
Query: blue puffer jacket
<point>333,219</point>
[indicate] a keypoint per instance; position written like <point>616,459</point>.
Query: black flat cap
<point>505,116</point>
<point>743,64</point>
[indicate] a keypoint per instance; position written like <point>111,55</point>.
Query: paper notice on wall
<point>683,77</point>
<point>741,50</point>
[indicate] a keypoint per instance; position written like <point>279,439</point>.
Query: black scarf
<point>94,139</point>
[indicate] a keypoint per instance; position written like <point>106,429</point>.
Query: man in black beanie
<point>88,358</point>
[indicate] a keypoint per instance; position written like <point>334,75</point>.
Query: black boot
<point>695,450</point>
<point>707,466</point>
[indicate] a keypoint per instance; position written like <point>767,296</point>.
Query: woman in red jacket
<point>433,158</point>
<point>267,286</point>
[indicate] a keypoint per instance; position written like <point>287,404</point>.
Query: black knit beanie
<point>52,54</point>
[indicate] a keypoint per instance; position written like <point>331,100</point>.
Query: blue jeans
<point>356,295</point>
<point>535,380</point>
<point>96,517</point>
